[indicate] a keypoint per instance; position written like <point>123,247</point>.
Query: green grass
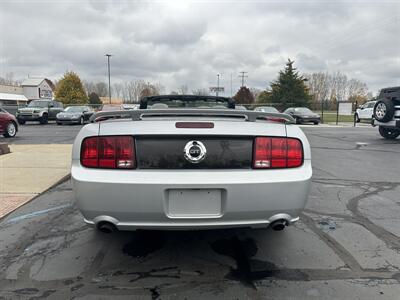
<point>331,118</point>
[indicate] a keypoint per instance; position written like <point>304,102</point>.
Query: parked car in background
<point>387,112</point>
<point>240,107</point>
<point>39,110</point>
<point>266,109</point>
<point>303,115</point>
<point>365,111</point>
<point>8,124</point>
<point>110,107</point>
<point>129,106</point>
<point>74,115</point>
<point>190,168</point>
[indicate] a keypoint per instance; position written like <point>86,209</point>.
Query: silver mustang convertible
<point>190,162</point>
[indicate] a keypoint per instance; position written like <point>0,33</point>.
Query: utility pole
<point>216,93</point>
<point>109,78</point>
<point>231,85</point>
<point>243,76</point>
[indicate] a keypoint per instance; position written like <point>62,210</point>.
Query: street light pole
<point>109,78</point>
<point>217,85</point>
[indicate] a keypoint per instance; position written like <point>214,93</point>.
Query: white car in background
<point>365,111</point>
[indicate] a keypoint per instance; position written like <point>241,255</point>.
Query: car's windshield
<point>75,109</point>
<point>39,103</point>
<point>303,110</point>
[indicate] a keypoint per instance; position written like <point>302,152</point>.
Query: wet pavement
<point>346,245</point>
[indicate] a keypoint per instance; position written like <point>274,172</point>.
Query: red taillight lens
<point>90,152</point>
<point>111,152</point>
<point>277,153</point>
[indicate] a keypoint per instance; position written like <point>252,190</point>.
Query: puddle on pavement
<point>249,270</point>
<point>144,243</point>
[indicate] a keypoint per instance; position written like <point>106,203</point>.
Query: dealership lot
<point>345,246</point>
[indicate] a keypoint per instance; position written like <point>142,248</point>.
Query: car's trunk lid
<point>161,145</point>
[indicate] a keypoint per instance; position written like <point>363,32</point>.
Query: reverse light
<point>277,152</point>
<point>108,152</point>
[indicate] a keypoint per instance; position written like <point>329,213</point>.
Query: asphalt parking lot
<point>346,245</point>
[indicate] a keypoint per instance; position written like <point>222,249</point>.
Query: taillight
<point>108,152</point>
<point>277,152</point>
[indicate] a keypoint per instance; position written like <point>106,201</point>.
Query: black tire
<point>356,118</point>
<point>21,122</point>
<point>11,130</point>
<point>81,121</point>
<point>389,133</point>
<point>384,110</point>
<point>44,119</point>
<point>297,120</point>
<point>316,123</point>
<point>58,123</point>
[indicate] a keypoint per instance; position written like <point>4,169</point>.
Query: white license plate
<point>194,203</point>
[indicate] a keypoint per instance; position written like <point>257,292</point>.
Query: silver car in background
<point>189,168</point>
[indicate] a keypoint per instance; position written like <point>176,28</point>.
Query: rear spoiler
<point>140,114</point>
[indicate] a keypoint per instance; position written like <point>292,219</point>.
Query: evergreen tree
<point>70,89</point>
<point>290,88</point>
<point>244,96</point>
<point>94,98</point>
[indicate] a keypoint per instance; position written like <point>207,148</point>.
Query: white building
<point>38,88</point>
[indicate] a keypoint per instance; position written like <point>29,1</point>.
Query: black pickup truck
<point>387,112</point>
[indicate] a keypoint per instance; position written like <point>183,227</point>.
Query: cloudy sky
<point>189,42</point>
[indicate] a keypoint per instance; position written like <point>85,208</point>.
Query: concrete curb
<point>62,180</point>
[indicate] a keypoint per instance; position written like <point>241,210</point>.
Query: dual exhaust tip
<point>108,227</point>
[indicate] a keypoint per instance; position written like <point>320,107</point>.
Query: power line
<point>243,76</point>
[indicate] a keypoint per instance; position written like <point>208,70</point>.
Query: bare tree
<point>117,87</point>
<point>255,92</point>
<point>183,89</point>
<point>201,92</point>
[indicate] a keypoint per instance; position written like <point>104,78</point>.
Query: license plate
<point>194,203</point>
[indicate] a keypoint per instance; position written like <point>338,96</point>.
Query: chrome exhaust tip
<point>279,225</point>
<point>106,227</point>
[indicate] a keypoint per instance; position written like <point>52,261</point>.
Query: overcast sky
<point>182,42</point>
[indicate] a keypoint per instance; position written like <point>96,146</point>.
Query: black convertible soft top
<point>186,98</point>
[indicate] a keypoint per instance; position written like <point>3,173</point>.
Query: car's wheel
<point>21,122</point>
<point>58,123</point>
<point>297,120</point>
<point>356,118</point>
<point>11,130</point>
<point>388,133</point>
<point>316,123</point>
<point>81,121</point>
<point>384,110</point>
<point>44,119</point>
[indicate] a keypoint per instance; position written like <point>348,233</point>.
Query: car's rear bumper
<point>140,199</point>
<point>29,117</point>
<point>311,120</point>
<point>70,121</point>
<point>390,124</point>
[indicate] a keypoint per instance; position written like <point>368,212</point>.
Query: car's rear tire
<point>384,110</point>
<point>11,130</point>
<point>44,119</point>
<point>389,133</point>
<point>316,123</point>
<point>356,118</point>
<point>297,120</point>
<point>58,123</point>
<point>81,121</point>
